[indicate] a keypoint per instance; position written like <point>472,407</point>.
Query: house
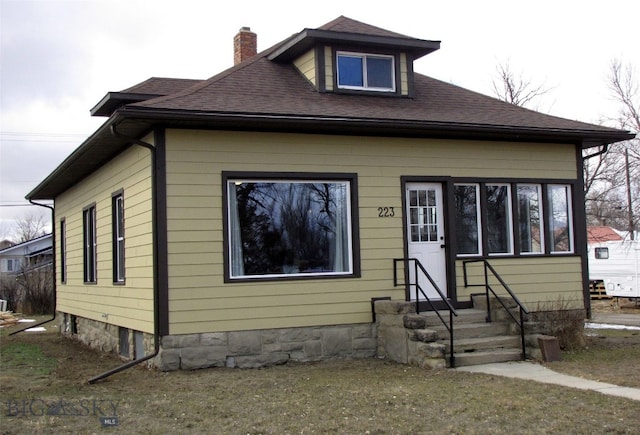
<point>614,261</point>
<point>253,217</point>
<point>27,255</point>
<point>26,271</point>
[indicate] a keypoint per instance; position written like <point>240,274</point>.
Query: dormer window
<point>371,72</point>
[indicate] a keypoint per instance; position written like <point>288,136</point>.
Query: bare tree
<point>31,226</point>
<point>516,89</point>
<point>612,181</point>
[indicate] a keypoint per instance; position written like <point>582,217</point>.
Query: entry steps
<point>476,341</point>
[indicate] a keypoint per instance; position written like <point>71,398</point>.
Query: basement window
<point>371,72</point>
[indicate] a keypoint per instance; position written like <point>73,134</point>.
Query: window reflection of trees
<point>466,219</point>
<point>290,228</point>
<point>498,219</point>
<point>559,206</point>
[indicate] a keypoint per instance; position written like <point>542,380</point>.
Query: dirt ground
<point>44,389</point>
<point>615,305</point>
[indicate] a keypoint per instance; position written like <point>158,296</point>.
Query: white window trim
<point>543,234</point>
<point>511,249</point>
<point>567,188</point>
<point>365,86</point>
<point>478,220</point>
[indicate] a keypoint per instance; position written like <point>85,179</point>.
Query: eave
<point>113,100</point>
<point>309,38</point>
<point>102,146</point>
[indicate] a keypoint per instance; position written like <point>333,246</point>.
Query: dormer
<point>346,56</point>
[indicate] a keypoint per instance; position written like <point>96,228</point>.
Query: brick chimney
<point>245,45</point>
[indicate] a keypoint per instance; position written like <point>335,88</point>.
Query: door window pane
<point>423,215</point>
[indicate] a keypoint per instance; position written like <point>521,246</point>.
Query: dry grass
<point>367,396</point>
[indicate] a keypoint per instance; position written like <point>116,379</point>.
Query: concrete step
<point>483,343</point>
<point>473,330</point>
<point>464,316</point>
<point>463,359</point>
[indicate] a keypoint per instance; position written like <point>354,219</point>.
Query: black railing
<point>418,267</point>
<point>488,288</point>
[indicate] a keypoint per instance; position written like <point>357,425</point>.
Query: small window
<point>530,221</point>
<point>602,253</point>
<point>63,251</point>
<point>90,244</point>
<point>288,228</point>
<point>10,265</point>
<point>365,71</point>
<point>117,205</point>
<point>560,218</point>
<point>499,232</point>
<point>467,203</point>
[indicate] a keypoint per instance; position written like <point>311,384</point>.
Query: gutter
<point>156,288</point>
<point>53,268</point>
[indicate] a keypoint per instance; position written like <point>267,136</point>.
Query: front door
<point>425,226</point>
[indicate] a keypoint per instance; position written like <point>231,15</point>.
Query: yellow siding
<point>328,68</point>
<point>404,80</point>
<point>306,64</point>
<point>129,305</point>
<point>200,301</point>
<point>537,281</point>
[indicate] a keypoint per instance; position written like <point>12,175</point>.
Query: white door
<point>425,224</point>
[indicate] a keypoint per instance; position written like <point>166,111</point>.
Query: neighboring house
<point>26,256</point>
<point>253,217</point>
<point>614,261</point>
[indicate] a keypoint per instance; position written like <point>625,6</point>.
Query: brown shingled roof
<point>262,87</point>
<point>267,93</point>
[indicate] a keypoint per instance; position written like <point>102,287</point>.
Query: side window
<point>287,228</point>
<point>365,72</point>
<point>486,218</point>
<point>467,204</point>
<point>499,227</point>
<point>63,250</point>
<point>530,224</point>
<point>117,219</point>
<point>559,226</point>
<point>89,244</point>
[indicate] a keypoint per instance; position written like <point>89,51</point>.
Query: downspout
<point>156,292</point>
<point>586,295</point>
<point>53,266</point>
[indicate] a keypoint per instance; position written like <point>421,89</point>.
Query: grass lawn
<point>44,389</point>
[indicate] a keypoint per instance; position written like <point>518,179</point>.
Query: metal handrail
<point>521,308</point>
<point>419,290</point>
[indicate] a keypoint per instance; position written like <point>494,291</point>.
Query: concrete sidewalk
<point>536,372</point>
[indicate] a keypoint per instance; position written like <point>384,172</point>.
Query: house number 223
<point>386,212</point>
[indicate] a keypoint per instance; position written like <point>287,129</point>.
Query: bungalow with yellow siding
<point>252,218</point>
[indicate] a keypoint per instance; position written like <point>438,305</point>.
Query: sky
<point>58,58</point>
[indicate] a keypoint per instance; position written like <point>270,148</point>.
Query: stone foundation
<point>267,347</point>
<point>243,349</point>
<point>105,337</point>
